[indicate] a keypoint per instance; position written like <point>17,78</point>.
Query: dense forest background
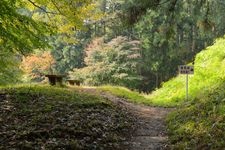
<point>132,43</point>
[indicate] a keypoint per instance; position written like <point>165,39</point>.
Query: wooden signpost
<point>184,69</point>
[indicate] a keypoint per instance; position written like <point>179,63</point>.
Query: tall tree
<point>173,33</point>
<point>116,62</point>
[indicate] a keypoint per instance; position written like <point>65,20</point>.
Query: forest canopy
<point>25,24</point>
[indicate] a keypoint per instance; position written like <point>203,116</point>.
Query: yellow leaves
<point>91,13</point>
<point>36,16</point>
<point>27,4</point>
<point>67,28</point>
<point>65,14</point>
<point>37,64</point>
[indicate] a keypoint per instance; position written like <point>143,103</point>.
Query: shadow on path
<point>151,128</point>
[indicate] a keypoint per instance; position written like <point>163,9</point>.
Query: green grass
<point>54,93</point>
<point>129,95</point>
<point>37,117</point>
<point>136,97</point>
<point>200,124</point>
<point>209,70</point>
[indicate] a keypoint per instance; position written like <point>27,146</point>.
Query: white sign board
<point>183,69</point>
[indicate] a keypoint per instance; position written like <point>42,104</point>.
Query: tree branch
<point>53,2</point>
<point>44,10</point>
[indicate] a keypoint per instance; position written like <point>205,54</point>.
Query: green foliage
<point>69,55</point>
<point>172,33</point>
<point>209,69</point>
<point>200,123</point>
<point>26,25</point>
<point>9,68</point>
<point>134,9</point>
<point>19,32</point>
<point>52,118</point>
<point>65,15</point>
<point>115,62</point>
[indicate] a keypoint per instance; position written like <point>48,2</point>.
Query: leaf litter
<point>39,120</point>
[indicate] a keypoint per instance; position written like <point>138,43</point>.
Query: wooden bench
<point>73,82</point>
<point>55,79</point>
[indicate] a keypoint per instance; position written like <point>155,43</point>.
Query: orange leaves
<point>36,65</point>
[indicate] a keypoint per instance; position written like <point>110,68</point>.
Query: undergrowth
<point>200,124</point>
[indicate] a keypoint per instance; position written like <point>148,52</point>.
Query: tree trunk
<point>157,81</point>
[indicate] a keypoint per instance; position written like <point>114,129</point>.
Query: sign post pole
<point>187,87</point>
<point>184,69</point>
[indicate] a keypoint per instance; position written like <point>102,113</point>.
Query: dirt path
<point>151,131</point>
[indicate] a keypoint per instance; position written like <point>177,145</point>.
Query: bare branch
<point>44,10</point>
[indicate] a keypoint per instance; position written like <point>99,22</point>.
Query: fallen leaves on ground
<point>36,120</point>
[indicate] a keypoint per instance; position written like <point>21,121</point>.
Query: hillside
<point>43,117</point>
<point>209,70</point>
<point>198,123</point>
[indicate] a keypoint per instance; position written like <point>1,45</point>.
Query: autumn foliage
<point>36,65</point>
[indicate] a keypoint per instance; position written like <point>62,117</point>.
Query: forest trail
<point>151,129</point>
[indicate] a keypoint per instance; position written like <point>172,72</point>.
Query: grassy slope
<point>209,69</point>
<point>123,92</point>
<point>200,123</point>
<point>40,117</point>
